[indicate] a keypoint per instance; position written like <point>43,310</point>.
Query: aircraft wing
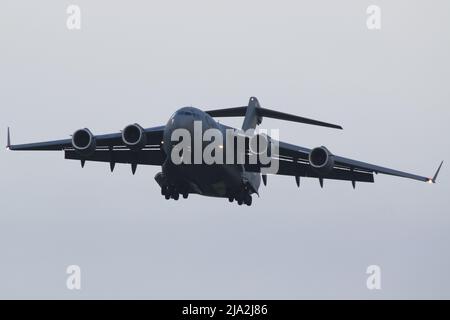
<point>294,161</point>
<point>109,148</point>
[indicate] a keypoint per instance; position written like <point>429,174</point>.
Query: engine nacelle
<point>134,137</point>
<point>321,160</point>
<point>83,141</point>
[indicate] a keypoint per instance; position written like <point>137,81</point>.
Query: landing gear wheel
<point>167,196</point>
<point>185,195</point>
<point>231,199</point>
<point>248,200</point>
<point>240,202</point>
<point>176,196</point>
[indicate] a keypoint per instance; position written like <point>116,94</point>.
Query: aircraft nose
<point>183,121</point>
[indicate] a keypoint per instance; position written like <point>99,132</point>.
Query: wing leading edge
<point>154,137</point>
<point>109,148</point>
<point>294,161</point>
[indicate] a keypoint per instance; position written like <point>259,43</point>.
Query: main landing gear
<point>172,192</point>
<point>242,198</point>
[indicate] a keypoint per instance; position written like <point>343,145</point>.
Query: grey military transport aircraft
<point>135,145</point>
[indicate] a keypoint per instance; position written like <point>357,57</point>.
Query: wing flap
<point>300,169</point>
<point>144,157</point>
<point>359,165</point>
<point>343,169</point>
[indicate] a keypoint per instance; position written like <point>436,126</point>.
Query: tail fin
<point>252,117</point>
<point>254,114</point>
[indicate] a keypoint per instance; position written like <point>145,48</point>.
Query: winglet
<point>433,180</point>
<point>8,143</point>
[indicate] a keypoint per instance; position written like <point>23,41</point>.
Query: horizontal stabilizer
<point>263,112</point>
<point>289,117</point>
<point>228,112</point>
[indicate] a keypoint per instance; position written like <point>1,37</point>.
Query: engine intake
<point>134,136</point>
<point>321,159</point>
<point>83,141</point>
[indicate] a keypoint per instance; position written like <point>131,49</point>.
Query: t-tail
<point>253,115</point>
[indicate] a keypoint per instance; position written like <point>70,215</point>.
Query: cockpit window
<point>186,113</point>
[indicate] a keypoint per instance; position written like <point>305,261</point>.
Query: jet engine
<point>134,137</point>
<point>321,160</point>
<point>83,141</point>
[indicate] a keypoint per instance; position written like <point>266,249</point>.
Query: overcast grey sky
<point>138,61</point>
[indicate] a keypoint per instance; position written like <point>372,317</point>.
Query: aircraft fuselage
<point>216,180</point>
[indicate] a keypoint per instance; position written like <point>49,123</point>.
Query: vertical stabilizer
<point>252,119</point>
